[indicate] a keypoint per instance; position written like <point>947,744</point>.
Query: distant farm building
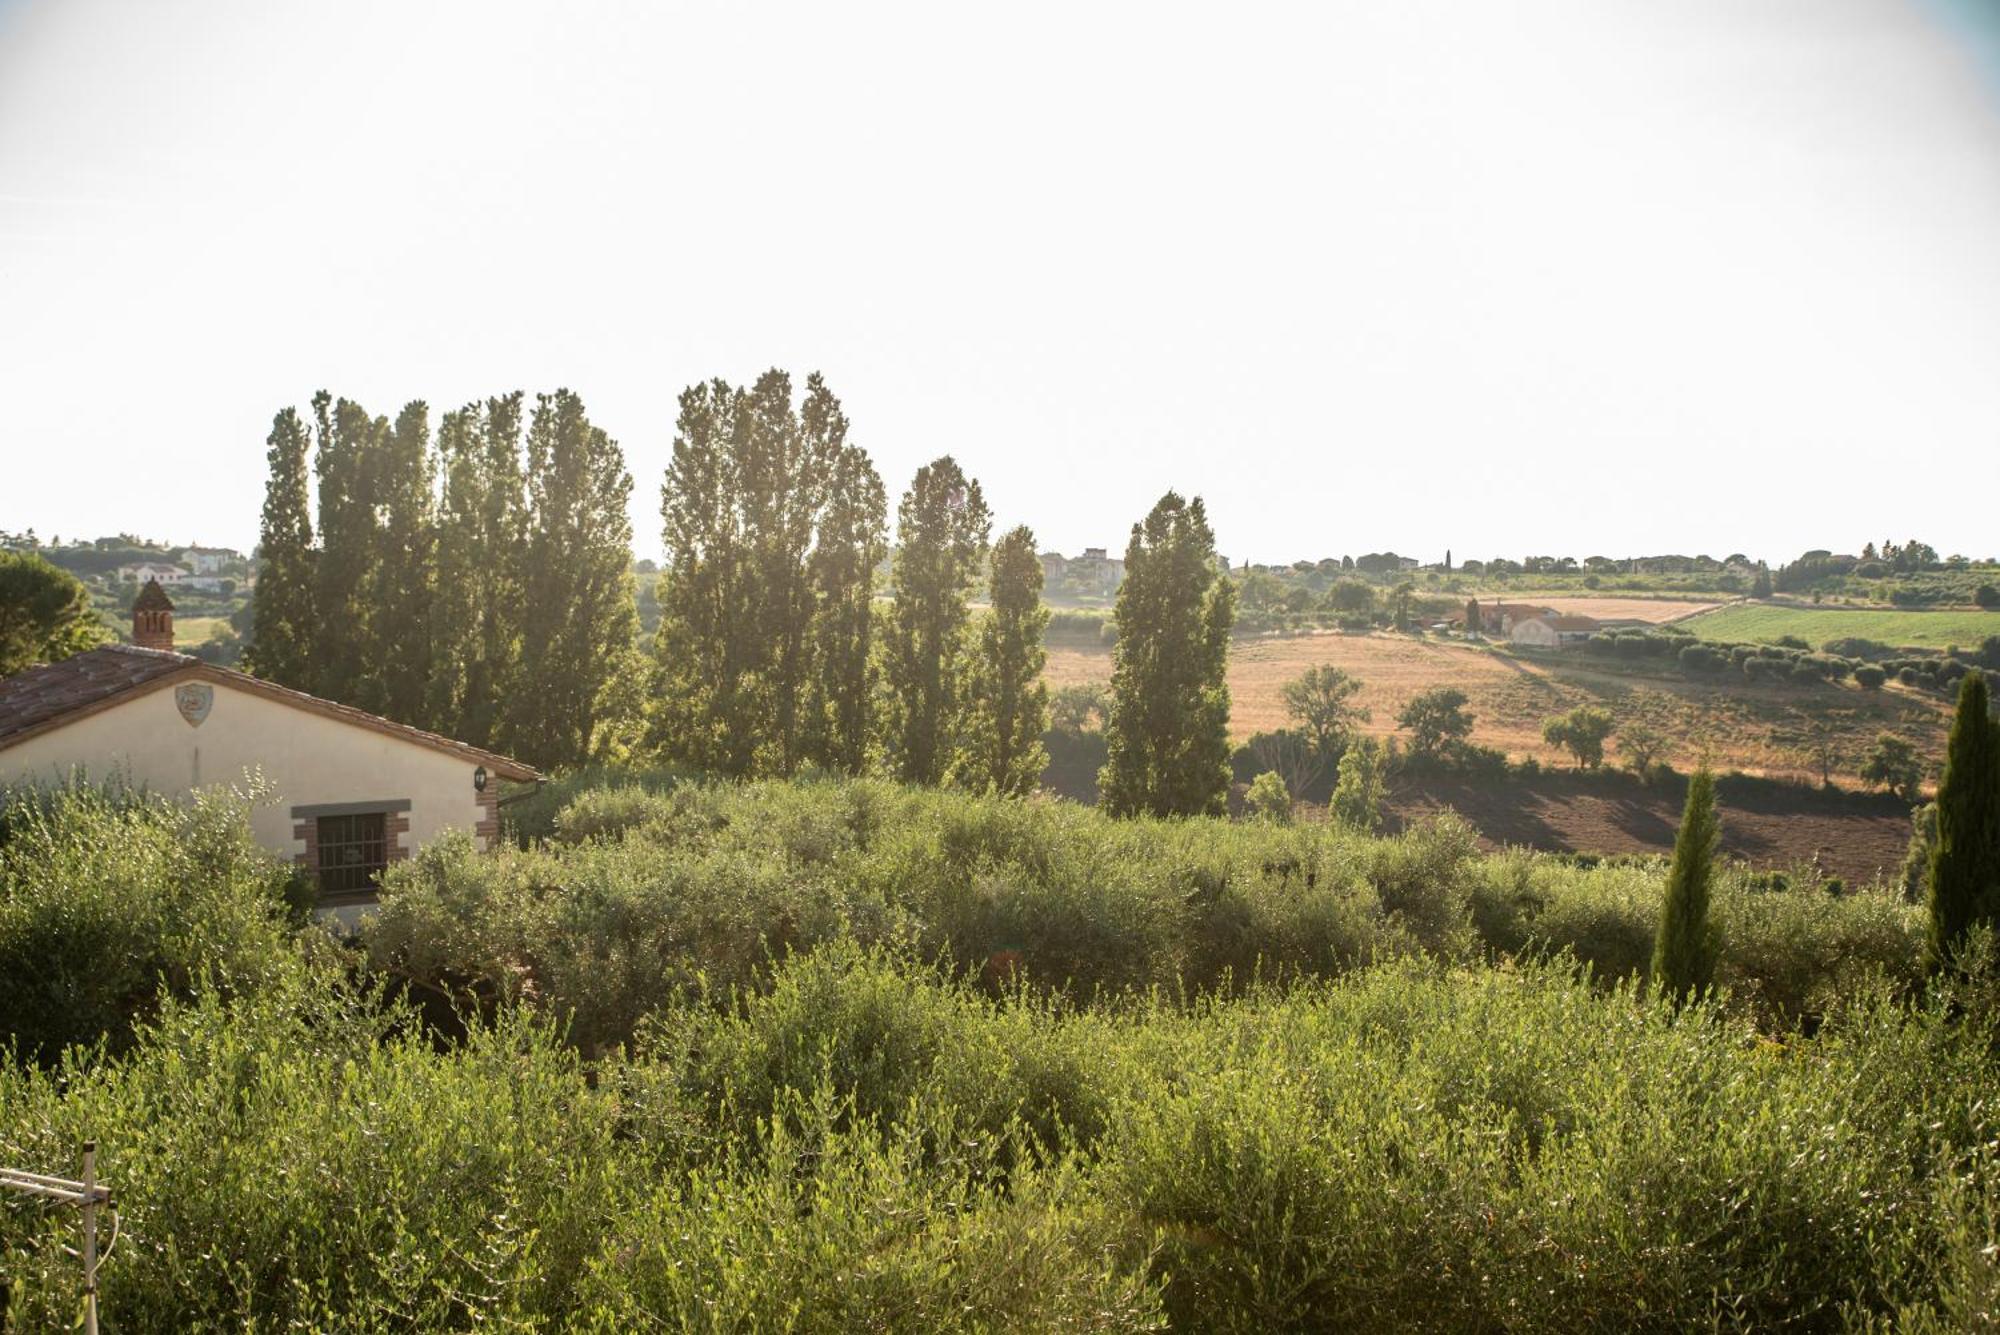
<point>354,792</point>
<point>153,570</point>
<point>208,560</point>
<point>1498,619</point>
<point>1552,632</point>
<point>1096,571</point>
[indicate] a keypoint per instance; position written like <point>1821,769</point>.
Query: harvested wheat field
<point>1734,723</point>
<point>1657,611</point>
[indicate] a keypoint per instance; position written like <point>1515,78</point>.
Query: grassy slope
<point>1815,625</point>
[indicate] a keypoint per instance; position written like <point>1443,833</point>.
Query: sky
<point>1555,276</point>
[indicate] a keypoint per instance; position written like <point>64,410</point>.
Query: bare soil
<point>1859,836</point>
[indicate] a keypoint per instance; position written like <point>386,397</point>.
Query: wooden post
<point>89,1237</point>
<point>87,1196</point>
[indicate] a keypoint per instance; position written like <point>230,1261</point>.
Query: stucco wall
<point>1533,632</point>
<point>307,759</point>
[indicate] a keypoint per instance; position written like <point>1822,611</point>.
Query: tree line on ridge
<point>476,581</point>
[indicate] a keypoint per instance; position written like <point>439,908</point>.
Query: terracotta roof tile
<point>43,693</point>
<point>41,696</point>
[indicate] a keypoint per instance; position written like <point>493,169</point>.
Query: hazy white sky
<point>1569,276</point>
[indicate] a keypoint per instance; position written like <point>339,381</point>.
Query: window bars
<point>353,851</point>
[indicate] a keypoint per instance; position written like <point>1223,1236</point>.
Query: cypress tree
<point>577,613</point>
<point>1684,952</point>
<point>283,621</point>
<point>1167,728</point>
<point>1009,707</point>
<point>1965,859</point>
<point>941,531</point>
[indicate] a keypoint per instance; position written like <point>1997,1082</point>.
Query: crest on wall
<point>194,700</point>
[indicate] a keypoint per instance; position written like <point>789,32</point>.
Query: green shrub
<point>1423,1151</point>
<point>917,1136</point>
<point>612,812</point>
<point>111,900</point>
<point>279,1166</point>
<point>1268,799</point>
<point>1701,658</point>
<point>703,892</point>
<point>833,1227</point>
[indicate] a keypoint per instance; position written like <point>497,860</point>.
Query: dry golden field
<point>1735,724</point>
<point>1655,610</point>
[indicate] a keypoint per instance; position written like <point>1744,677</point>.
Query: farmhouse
<point>208,560</point>
<point>152,570</point>
<point>1551,631</point>
<point>1097,570</point>
<point>1499,618</point>
<point>353,792</point>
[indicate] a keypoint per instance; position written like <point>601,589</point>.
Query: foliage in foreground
<point>865,1143</point>
<point>111,899</point>
<point>644,895</point>
<point>844,1055</point>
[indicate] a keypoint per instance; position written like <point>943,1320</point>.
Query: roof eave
<point>503,767</point>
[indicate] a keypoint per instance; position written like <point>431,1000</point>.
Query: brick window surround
<point>395,813</point>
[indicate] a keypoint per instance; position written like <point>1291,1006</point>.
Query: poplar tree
<point>577,614</point>
<point>1684,951</point>
<point>789,459</point>
<point>284,625</point>
<point>1167,728</point>
<point>1965,857</point>
<point>347,441</point>
<point>1009,705</point>
<point>475,637</point>
<point>942,527</point>
<point>772,525</point>
<point>397,582</point>
<point>699,645</point>
<point>853,542</point>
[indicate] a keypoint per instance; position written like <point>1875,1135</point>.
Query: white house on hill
<point>354,791</point>
<point>153,570</point>
<point>208,560</point>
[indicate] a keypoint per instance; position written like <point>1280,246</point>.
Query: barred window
<point>353,850</point>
